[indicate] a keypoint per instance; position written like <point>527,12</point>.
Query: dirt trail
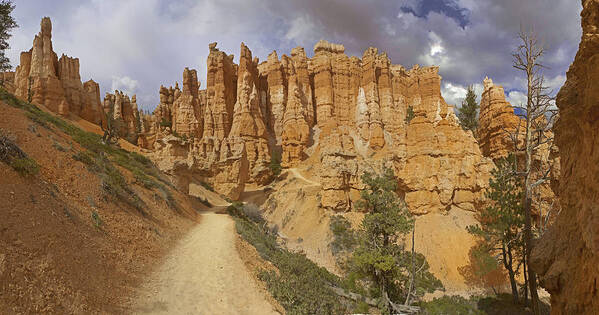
<point>203,275</point>
<point>297,174</point>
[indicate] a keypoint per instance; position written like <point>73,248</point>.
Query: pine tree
<point>502,222</point>
<point>468,113</point>
<point>380,256</point>
<point>7,23</point>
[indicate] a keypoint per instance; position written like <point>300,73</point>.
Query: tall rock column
<point>495,119</point>
<point>187,116</point>
<point>248,123</point>
<point>277,95</point>
<point>68,72</point>
<point>323,80</point>
<point>37,75</point>
<point>221,94</point>
<point>371,92</point>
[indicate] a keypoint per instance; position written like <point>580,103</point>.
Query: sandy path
<point>297,174</point>
<point>203,275</point>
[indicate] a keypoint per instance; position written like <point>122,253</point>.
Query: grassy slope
<point>78,236</point>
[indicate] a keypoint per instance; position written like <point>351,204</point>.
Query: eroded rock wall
<point>345,114</point>
<point>567,256</point>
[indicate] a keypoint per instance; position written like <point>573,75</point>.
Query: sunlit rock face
<point>567,256</point>
<point>44,79</point>
<point>345,115</point>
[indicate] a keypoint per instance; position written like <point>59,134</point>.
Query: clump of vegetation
<point>300,286</point>
<point>101,157</point>
<point>11,154</point>
<point>454,304</point>
<point>252,212</point>
<point>25,166</point>
<point>344,238</point>
<point>409,114</point>
<point>207,186</point>
<point>275,163</point>
<point>165,123</point>
<point>96,220</point>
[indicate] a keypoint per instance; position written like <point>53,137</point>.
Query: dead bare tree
<point>532,132</point>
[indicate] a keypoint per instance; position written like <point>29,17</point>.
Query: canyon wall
<point>342,115</point>
<point>567,256</point>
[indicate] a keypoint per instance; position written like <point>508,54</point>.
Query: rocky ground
<point>53,257</point>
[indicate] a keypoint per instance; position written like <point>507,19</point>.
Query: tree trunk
<point>407,302</point>
<point>532,275</point>
<point>510,269</point>
<point>525,282</point>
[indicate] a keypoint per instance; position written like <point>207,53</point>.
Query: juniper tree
<point>468,113</point>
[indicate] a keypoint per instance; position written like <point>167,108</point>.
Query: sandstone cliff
<point>341,114</point>
<point>567,256</point>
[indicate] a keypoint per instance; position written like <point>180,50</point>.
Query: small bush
<point>275,163</point>
<point>59,147</point>
<point>300,285</point>
<point>165,123</point>
<point>344,238</point>
<point>11,154</point>
<point>96,220</point>
<point>86,158</point>
<point>207,186</point>
<point>450,305</point>
<point>409,114</point>
<point>25,166</point>
<point>253,213</point>
<point>235,209</point>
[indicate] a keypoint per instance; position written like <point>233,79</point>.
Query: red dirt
<point>52,257</point>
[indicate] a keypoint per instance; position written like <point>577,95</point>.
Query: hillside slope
<point>78,236</point>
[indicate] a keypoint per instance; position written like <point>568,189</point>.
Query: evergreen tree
<point>502,222</point>
<point>7,23</point>
<point>409,114</point>
<point>380,257</point>
<point>468,113</point>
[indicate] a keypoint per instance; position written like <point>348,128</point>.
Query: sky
<point>137,45</point>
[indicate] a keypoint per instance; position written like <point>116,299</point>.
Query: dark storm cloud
<point>137,45</point>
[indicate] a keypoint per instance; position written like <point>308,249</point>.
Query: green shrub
<point>344,238</point>
<point>300,286</point>
<point>165,123</point>
<point>275,163</point>
<point>207,186</point>
<point>86,158</point>
<point>11,154</point>
<point>25,166</point>
<point>450,305</point>
<point>252,212</point>
<point>235,209</point>
<point>96,220</point>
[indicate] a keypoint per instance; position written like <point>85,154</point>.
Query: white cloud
<point>454,94</point>
<point>124,84</point>
<point>152,41</point>
<point>516,98</point>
